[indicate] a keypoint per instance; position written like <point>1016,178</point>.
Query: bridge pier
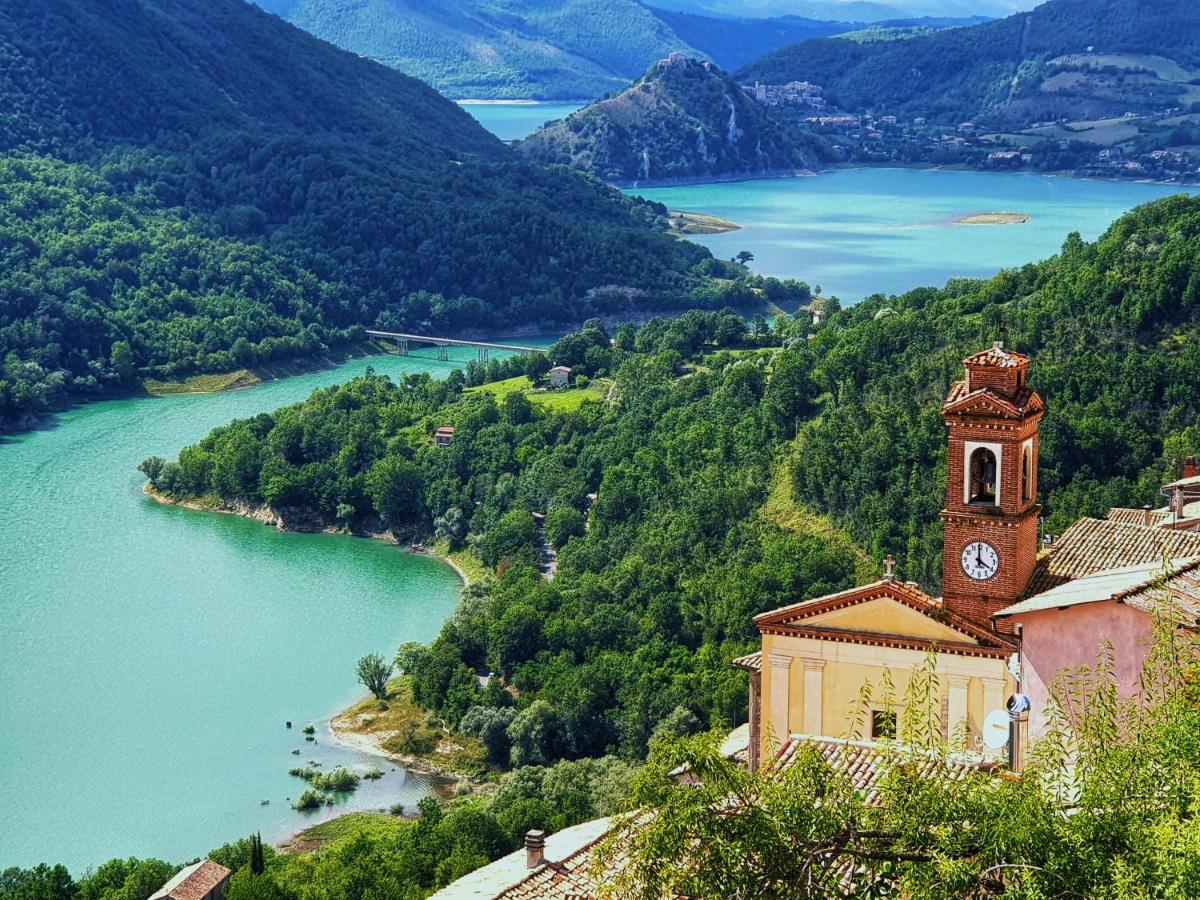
<point>483,354</point>
<point>402,344</point>
<point>444,352</point>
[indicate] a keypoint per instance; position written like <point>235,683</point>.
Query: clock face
<point>980,561</point>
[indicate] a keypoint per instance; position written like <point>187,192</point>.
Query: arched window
<point>1026,474</point>
<point>983,477</point>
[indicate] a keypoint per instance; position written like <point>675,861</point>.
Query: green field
<point>567,400</point>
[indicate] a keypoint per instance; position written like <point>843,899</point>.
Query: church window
<point>883,724</point>
<point>983,477</point>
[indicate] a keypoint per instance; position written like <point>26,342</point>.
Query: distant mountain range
<point>1072,59</point>
<point>685,119</point>
<point>1106,87</point>
<point>573,49</point>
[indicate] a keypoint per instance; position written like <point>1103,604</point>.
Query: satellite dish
<point>995,729</point>
<point>1018,705</point>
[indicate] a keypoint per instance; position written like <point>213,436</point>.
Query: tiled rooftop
<point>1144,582</point>
<point>997,356</point>
<point>192,882</point>
<point>570,853</point>
<point>751,662</point>
<point>1099,545</point>
<point>1151,518</point>
<point>866,762</point>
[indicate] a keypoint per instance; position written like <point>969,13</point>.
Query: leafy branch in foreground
<point>1107,807</point>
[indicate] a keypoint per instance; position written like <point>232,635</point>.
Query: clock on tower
<point>991,516</point>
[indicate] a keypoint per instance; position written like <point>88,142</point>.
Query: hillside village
<point>1155,145</point>
<point>1018,608</point>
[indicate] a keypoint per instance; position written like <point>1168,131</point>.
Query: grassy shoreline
<point>239,379</point>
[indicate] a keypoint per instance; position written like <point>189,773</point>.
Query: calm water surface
<point>513,121</point>
<point>149,655</point>
<point>859,231</point>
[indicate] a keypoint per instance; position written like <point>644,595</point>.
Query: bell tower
<point>990,546</point>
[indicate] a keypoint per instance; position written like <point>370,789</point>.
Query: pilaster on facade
<point>956,708</point>
<point>813,688</point>
<point>780,687</point>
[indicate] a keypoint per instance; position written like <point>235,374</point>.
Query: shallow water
<point>150,655</point>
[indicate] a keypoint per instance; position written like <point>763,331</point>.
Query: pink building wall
<point>1057,639</point>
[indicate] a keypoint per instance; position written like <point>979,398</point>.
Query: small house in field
<point>205,880</point>
<point>560,376</point>
<point>443,436</point>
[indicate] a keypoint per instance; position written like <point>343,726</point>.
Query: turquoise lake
<point>149,656</point>
<point>858,231</point>
<point>513,121</point>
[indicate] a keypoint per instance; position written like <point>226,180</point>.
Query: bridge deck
<point>451,342</point>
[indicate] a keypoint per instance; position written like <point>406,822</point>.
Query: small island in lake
<point>699,223</point>
<point>994,218</point>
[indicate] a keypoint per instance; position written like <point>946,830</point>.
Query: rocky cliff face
<point>684,119</point>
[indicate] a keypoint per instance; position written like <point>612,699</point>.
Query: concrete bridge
<point>444,344</point>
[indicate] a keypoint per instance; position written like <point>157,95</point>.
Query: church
<point>1011,614</point>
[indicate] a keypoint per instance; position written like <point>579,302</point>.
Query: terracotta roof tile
<point>866,762</point>
<point>997,356</point>
<point>1096,545</point>
<point>196,882</point>
<point>751,662</point>
<point>1151,518</point>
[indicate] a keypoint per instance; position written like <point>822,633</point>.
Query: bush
<point>339,779</point>
<point>373,774</point>
<point>310,799</point>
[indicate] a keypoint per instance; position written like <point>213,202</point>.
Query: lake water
<point>150,655</point>
<point>858,231</point>
<point>513,121</point>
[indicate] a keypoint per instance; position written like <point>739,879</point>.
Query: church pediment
<point>884,610</point>
<point>883,615</point>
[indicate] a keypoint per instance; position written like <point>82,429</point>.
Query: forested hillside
<point>710,484</point>
<point>685,118</point>
<point>238,127</point>
<point>1001,71</point>
<point>579,49</point>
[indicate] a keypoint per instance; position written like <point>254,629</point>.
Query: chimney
<point>535,848</point>
<point>997,345</point>
<point>1190,468</point>
<point>1147,515</point>
<point>1178,502</point>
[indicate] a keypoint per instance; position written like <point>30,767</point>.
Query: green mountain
<point>579,49</point>
<point>374,198</point>
<point>1074,59</point>
<point>495,48</point>
<point>684,119</point>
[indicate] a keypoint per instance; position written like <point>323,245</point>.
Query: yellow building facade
<point>818,656</point>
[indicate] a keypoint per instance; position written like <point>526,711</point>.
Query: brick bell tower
<point>990,546</point>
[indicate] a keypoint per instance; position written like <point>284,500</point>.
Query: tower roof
<point>997,357</point>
